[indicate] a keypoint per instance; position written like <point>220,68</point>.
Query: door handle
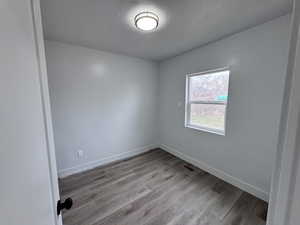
<point>67,204</point>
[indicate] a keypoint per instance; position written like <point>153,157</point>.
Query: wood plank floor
<point>156,188</point>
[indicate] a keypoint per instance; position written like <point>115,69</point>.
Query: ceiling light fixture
<point>146,21</point>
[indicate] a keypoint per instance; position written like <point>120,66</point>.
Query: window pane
<point>208,116</point>
<point>210,87</point>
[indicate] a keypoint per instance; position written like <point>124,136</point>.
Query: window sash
<point>204,128</point>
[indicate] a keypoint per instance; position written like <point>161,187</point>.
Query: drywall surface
<point>103,104</point>
<point>295,204</point>
<point>257,59</point>
<point>25,192</point>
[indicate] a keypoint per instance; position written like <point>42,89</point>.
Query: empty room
<point>149,112</point>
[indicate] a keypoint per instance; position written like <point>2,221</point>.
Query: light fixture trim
<point>151,18</point>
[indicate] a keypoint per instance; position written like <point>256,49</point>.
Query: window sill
<point>205,129</point>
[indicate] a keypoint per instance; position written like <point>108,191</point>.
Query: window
<point>206,100</point>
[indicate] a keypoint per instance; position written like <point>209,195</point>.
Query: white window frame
<point>188,103</point>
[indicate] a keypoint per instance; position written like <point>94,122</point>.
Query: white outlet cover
<point>79,153</point>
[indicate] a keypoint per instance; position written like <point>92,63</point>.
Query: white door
<point>28,183</point>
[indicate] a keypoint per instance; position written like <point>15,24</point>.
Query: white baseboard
<point>258,192</point>
<point>100,162</point>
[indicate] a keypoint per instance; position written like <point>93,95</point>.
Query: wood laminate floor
<point>156,188</point>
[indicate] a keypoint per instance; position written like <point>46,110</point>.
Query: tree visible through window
<point>206,100</point>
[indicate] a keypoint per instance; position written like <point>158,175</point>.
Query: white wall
<point>294,114</point>
<point>245,156</point>
<point>285,193</point>
<point>295,204</point>
<point>102,103</point>
<point>25,189</point>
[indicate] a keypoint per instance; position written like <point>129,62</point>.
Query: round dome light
<point>146,21</point>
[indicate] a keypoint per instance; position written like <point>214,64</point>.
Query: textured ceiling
<point>184,24</point>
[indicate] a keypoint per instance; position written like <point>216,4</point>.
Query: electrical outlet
<point>79,153</point>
